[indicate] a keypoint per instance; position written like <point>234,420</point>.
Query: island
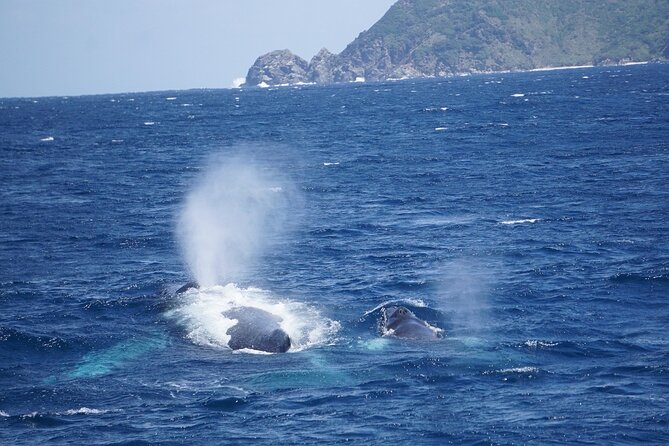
<point>437,38</point>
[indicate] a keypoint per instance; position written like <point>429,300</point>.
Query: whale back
<point>257,329</point>
<point>405,324</point>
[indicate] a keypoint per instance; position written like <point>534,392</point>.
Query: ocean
<point>523,215</point>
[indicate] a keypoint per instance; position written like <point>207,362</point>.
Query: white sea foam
<point>440,129</point>
<point>47,139</point>
<point>149,122</point>
<point>518,95</point>
<point>83,411</point>
<point>519,222</point>
<point>531,343</point>
<point>526,369</point>
<point>171,98</point>
<point>408,301</point>
<point>238,82</point>
<point>513,371</point>
<point>3,413</point>
<point>200,312</point>
<point>263,85</point>
<point>359,79</point>
<point>571,67</point>
<point>331,164</point>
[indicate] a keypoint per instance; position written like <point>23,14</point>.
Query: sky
<point>76,47</point>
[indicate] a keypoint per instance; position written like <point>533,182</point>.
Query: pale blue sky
<point>72,47</point>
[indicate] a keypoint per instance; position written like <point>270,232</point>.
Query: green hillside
<point>440,37</point>
<point>418,38</point>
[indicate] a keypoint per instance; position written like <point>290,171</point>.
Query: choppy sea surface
<point>526,215</point>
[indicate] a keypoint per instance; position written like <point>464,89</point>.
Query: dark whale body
<point>256,329</point>
<point>187,287</point>
<point>402,323</point>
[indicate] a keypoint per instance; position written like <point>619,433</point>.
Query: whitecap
<point>331,164</point>
<point>526,369</point>
<point>47,139</point>
<point>531,343</point>
<point>513,370</point>
<point>440,129</point>
<point>518,95</point>
<point>83,411</point>
<point>3,413</point>
<point>171,98</point>
<point>519,222</point>
<point>149,123</point>
<point>263,85</point>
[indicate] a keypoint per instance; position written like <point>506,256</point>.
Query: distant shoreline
<point>450,76</point>
<point>357,81</point>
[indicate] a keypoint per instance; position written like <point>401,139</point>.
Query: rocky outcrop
<point>425,38</point>
<point>278,67</point>
<point>322,67</point>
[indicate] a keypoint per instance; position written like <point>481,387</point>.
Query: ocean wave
<point>651,277</point>
<point>514,371</point>
<point>535,344</point>
<point>83,411</point>
<point>519,222</point>
<point>11,339</point>
<point>200,313</point>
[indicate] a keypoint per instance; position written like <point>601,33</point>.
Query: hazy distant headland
<point>435,38</point>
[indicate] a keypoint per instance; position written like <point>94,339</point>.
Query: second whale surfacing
<point>402,323</point>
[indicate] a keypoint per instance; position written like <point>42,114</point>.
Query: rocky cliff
<point>421,38</point>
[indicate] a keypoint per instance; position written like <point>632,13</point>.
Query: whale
<point>400,322</point>
<point>255,328</point>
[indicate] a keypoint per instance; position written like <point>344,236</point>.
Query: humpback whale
<point>255,328</point>
<point>402,323</point>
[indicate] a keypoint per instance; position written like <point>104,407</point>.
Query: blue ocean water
<point>523,214</point>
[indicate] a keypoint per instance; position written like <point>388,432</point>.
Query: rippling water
<point>524,214</point>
